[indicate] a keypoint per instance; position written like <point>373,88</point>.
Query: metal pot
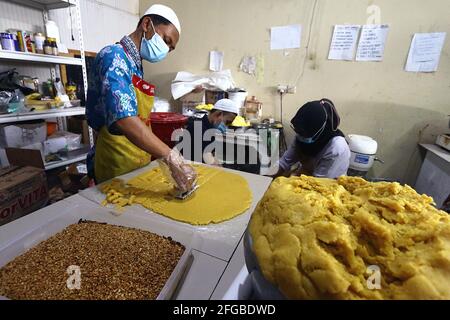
<point>262,289</point>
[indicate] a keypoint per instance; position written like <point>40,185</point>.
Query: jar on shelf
<point>48,89</point>
<point>48,47</point>
<point>71,90</point>
<point>29,43</point>
<point>39,41</point>
<point>54,45</point>
<point>7,41</point>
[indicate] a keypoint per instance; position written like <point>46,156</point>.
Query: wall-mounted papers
<point>286,37</point>
<point>344,41</point>
<point>372,43</point>
<point>425,52</point>
<point>216,61</point>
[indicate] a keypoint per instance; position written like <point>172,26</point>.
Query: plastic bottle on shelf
<point>48,89</point>
<point>39,40</point>
<point>52,30</point>
<point>55,51</point>
<point>61,92</point>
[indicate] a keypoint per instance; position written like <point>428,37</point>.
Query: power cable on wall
<point>281,107</point>
<point>311,23</point>
<point>71,23</point>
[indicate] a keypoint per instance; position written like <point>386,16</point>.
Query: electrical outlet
<point>287,89</point>
<point>291,90</point>
<point>282,89</point>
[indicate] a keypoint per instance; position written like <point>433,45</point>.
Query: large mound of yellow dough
<point>315,239</point>
<point>221,196</point>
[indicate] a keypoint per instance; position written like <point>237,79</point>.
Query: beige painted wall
<point>397,108</point>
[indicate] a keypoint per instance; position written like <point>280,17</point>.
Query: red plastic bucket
<point>165,123</point>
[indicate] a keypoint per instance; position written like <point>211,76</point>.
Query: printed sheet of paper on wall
<point>425,52</point>
<point>344,41</point>
<point>286,37</point>
<point>216,61</point>
<point>372,43</point>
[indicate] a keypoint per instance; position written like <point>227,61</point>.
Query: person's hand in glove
<point>183,174</point>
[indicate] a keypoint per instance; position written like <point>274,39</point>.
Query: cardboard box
<point>25,157</point>
<point>74,178</point>
<point>3,159</point>
<point>78,124</point>
<point>34,155</point>
<point>22,134</point>
<point>22,191</point>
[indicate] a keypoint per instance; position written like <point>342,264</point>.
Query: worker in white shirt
<point>320,148</point>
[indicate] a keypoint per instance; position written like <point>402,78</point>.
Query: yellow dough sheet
<point>221,196</point>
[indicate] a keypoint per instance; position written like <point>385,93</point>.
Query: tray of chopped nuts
<point>92,260</point>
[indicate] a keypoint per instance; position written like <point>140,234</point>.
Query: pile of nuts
<point>114,263</point>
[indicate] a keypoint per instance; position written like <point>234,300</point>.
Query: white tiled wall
<point>131,6</point>
<point>104,22</point>
<point>13,16</point>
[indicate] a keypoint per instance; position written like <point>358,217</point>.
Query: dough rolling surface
<point>221,196</point>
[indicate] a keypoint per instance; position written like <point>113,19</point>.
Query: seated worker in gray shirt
<point>319,148</point>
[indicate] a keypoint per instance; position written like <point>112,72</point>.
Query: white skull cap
<point>227,105</point>
<point>165,12</point>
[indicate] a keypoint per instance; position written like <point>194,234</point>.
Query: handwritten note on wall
<point>343,44</point>
<point>425,52</point>
<point>372,43</point>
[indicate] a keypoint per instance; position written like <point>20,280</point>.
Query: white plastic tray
<point>217,240</point>
<point>71,215</point>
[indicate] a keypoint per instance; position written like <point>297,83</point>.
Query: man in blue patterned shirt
<point>112,104</point>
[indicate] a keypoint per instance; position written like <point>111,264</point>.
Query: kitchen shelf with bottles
<point>53,61</point>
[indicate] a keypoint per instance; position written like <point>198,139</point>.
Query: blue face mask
<point>222,127</point>
<point>155,49</point>
<point>315,137</point>
<point>312,139</point>
<point>305,140</point>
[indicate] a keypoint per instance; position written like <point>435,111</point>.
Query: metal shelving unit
<point>66,162</point>
<point>38,58</point>
<point>44,4</point>
<point>52,62</point>
<point>47,114</point>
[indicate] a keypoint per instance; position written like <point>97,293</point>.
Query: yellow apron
<point>116,155</point>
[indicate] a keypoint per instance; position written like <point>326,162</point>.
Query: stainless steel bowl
<point>262,289</point>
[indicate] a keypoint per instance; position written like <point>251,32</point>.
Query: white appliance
<point>52,30</point>
<point>238,96</point>
<point>363,153</point>
<point>443,141</point>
